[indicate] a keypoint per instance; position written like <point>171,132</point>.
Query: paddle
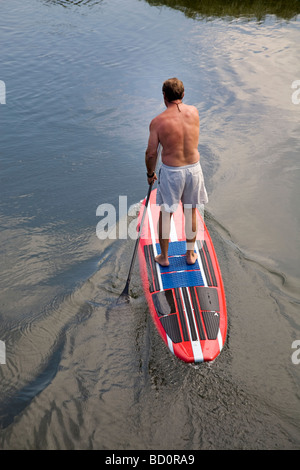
<point>125,294</point>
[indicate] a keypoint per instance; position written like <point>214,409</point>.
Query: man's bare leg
<point>164,225</point>
<point>191,233</point>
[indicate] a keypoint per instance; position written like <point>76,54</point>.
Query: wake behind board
<point>187,302</point>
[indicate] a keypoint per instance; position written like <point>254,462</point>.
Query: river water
<point>80,82</point>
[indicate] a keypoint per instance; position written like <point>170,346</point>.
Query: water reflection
<point>70,3</point>
<point>227,8</point>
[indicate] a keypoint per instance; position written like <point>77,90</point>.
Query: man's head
<point>173,89</point>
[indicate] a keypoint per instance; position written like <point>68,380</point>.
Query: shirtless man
<point>180,178</point>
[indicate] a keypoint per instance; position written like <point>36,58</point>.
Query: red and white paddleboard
<point>187,302</point>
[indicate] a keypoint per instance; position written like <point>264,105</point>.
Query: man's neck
<point>175,102</point>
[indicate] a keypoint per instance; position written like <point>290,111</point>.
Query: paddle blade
<point>124,296</point>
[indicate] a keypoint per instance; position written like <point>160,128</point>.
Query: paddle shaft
<point>126,288</point>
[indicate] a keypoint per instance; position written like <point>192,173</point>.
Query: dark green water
<point>82,82</point>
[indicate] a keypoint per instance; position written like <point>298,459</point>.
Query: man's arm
<point>151,152</point>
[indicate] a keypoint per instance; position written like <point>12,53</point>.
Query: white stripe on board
<point>220,339</point>
<point>170,344</point>
<point>201,265</point>
<point>196,346</point>
<point>152,231</point>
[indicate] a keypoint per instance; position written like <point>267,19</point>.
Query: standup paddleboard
<point>187,302</point>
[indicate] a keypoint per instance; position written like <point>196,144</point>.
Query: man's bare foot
<point>191,257</point>
<point>161,260</point>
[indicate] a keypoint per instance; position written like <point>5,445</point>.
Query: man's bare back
<point>177,130</point>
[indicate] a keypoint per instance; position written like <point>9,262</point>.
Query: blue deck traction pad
<point>179,273</point>
<point>175,248</point>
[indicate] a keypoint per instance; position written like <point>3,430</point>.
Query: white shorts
<point>181,183</point>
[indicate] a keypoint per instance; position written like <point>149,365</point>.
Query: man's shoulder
<point>156,121</point>
<point>193,108</point>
